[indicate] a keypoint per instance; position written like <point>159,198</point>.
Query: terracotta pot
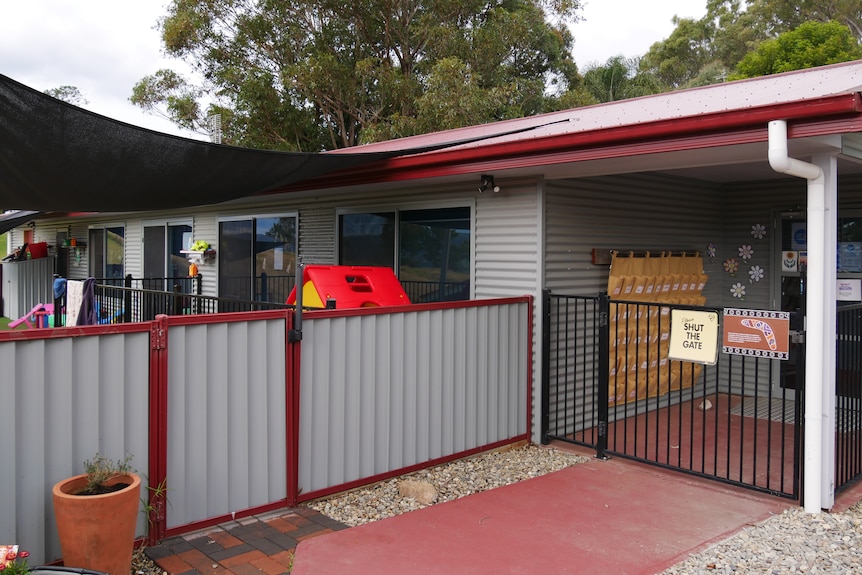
<point>97,531</point>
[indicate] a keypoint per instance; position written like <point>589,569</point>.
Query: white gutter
<point>814,320</point>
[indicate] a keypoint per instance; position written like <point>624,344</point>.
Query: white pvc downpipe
<point>814,321</point>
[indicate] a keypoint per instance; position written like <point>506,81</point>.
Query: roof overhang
<point>820,117</point>
<point>15,218</point>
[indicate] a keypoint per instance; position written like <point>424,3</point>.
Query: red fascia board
<point>648,137</point>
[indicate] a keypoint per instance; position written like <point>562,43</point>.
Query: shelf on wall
<point>197,256</point>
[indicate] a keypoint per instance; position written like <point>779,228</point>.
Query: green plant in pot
<point>96,515</point>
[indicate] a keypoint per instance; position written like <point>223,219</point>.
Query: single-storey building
<point>760,178</point>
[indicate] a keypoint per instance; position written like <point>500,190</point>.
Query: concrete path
<point>601,517</point>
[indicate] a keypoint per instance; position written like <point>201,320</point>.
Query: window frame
<point>254,217</point>
<point>411,207</point>
<point>104,227</point>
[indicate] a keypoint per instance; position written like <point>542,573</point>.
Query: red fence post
<point>158,444</point>
<point>292,355</point>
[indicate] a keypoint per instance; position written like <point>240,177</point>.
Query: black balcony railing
<point>428,292</point>
<point>130,299</point>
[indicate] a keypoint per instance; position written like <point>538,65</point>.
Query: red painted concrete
<point>613,517</point>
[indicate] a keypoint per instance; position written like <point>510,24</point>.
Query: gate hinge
<point>158,335</point>
<point>603,319</point>
<point>603,429</point>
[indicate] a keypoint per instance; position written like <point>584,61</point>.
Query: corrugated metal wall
<point>206,229</point>
<point>226,418</point>
<point>628,212</point>
<point>317,236</point>
<point>385,391</point>
<point>26,284</point>
<point>133,246</point>
<point>508,245</point>
<point>63,401</point>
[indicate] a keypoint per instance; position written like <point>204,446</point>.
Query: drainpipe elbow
<point>779,159</point>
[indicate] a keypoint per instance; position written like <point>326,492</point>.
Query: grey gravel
<point>452,481</point>
<point>793,542</point>
<point>143,565</point>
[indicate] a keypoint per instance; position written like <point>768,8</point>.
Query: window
<point>367,239</point>
<point>106,247</point>
<point>257,258</point>
<point>430,253</point>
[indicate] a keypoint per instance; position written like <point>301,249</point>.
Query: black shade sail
<point>57,157</point>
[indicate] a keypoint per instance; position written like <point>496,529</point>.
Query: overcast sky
<point>103,47</point>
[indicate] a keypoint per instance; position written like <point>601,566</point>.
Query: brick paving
<point>259,545</point>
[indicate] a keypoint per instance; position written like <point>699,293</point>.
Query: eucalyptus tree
<point>70,94</point>
<point>322,74</point>
<point>708,50</point>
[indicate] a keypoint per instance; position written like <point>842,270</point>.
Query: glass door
<point>164,264</point>
<point>792,257</point>
<point>257,258</point>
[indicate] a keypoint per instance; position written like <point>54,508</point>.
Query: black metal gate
<point>848,400</point>
<point>608,384</point>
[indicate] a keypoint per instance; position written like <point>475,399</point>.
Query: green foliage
<point>811,44</point>
<point>100,469</point>
<point>318,74</point>
<point>69,94</point>
<point>700,52</point>
<point>677,59</point>
<point>619,79</point>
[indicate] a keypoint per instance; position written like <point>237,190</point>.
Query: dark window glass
<point>234,259</point>
<point>433,249</point>
<point>114,252</point>
<point>97,253</point>
<point>367,239</point>
<point>257,258</point>
<point>274,258</point>
<point>434,254</point>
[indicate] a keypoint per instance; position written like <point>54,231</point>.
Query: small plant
<point>100,470</point>
<point>12,561</point>
<point>159,496</point>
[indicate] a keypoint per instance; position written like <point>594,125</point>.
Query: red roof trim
<point>721,128</point>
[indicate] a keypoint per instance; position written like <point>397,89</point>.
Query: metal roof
<point>738,96</point>
<point>713,125</point>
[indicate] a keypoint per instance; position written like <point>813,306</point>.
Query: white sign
<point>694,336</point>
<point>850,290</point>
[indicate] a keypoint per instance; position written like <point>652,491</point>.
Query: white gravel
<point>793,543</point>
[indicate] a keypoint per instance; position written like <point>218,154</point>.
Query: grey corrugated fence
<point>237,420</point>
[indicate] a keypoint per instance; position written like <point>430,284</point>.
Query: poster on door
<point>758,333</point>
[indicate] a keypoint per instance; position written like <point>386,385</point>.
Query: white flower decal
<point>738,290</point>
<point>756,273</point>
<point>758,231</point>
<point>745,252</point>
